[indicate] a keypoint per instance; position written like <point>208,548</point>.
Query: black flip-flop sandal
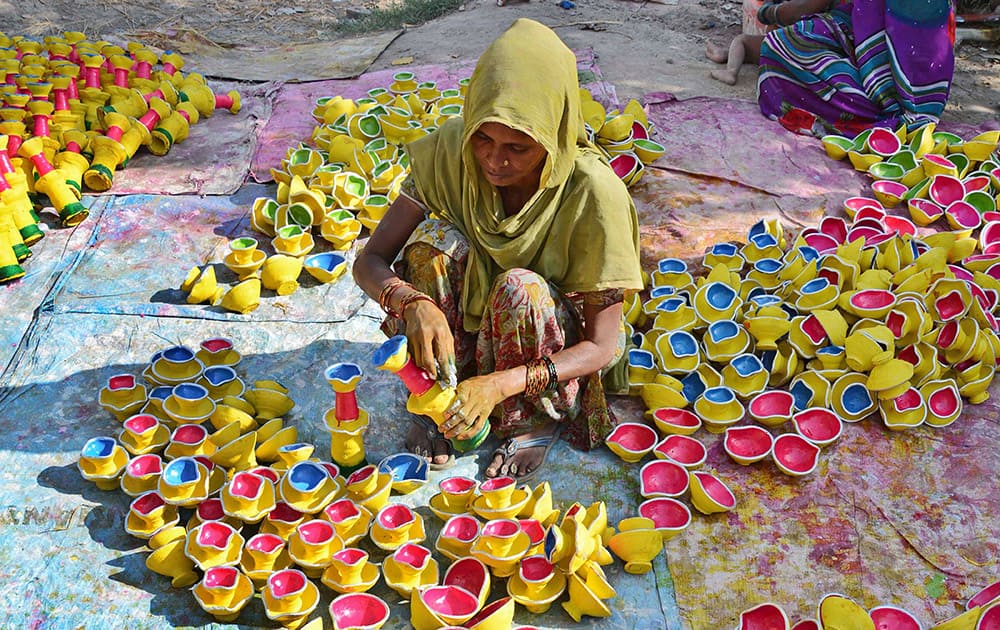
<point>512,445</point>
<point>432,435</point>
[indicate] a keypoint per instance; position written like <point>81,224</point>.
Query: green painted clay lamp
<point>427,396</point>
<point>173,129</point>
<point>52,183</point>
<point>109,152</point>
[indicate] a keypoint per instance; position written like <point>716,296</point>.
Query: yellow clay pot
<point>637,543</point>
<point>169,560</point>
<point>223,592</point>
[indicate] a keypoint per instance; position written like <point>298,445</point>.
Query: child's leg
<point>716,53</point>
<point>743,48</point>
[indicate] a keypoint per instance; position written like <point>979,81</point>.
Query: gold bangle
<point>536,378</point>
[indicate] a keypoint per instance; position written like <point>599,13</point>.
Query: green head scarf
<point>580,230</point>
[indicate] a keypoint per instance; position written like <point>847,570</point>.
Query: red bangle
<point>416,296</point>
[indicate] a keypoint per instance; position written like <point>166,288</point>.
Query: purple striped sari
<point>861,64</point>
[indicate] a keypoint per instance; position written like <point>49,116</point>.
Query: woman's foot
<point>424,440</point>
<point>521,457</point>
<point>716,53</point>
<point>725,75</point>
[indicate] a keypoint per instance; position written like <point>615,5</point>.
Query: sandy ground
<point>642,47</point>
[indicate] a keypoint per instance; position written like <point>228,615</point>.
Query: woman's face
<point>508,157</point>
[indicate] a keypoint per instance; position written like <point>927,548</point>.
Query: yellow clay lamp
<point>184,482</point>
<point>745,375</point>
<point>223,592</point>
<point>143,433</point>
<point>280,274</point>
<point>244,259</point>
<point>340,228</point>
<point>944,403</point>
<point>282,520</point>
<point>346,421</point>
<point>263,214</point>
<point>718,408</point>
<point>148,514</point>
<point>583,601</point>
<point>357,611</point>
<point>172,129</point>
<point>670,517</point>
<point>427,396</point>
<point>850,398</point>
<point>308,487</point>
<point>637,543</point>
<point>189,440</point>
<point>838,611</point>
<point>537,584</point>
<point>205,288</point>
<point>350,520</point>
<point>141,474</point>
<point>905,411</point>
<point>169,560</point>
<point>395,525</point>
<point>189,403</point>
<point>457,535</point>
<point>890,379</point>
<point>102,461</point>
<point>408,567</point>
<point>293,240</point>
<point>226,415</point>
<point>289,597</point>
<point>264,554</point>
<point>709,494</point>
<point>350,572</point>
<point>214,544</point>
<point>123,396</point>
<point>497,615</point>
<point>267,449</point>
<point>52,183</point>
<point>312,544</point>
<point>435,607</point>
<point>248,497</point>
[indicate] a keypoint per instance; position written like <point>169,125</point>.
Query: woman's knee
<point>519,287</point>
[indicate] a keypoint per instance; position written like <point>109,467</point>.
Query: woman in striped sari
<point>860,64</point>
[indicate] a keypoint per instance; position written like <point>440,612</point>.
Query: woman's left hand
<point>476,397</point>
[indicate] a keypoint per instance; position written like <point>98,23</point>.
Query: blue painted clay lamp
<point>709,494</point>
<point>346,421</point>
<point>670,516</point>
<point>223,592</point>
<point>269,443</point>
<point>409,472</point>
<point>102,461</point>
<point>291,454</point>
<point>839,611</point>
<point>350,571</point>
<point>725,254</point>
<point>349,519</point>
<point>678,352</point>
<point>326,266</point>
<point>358,611</point>
<point>184,482</point>
<point>747,444</point>
<point>631,441</point>
<point>308,487</point>
<point>457,536</point>
<point>642,368</point>
<point>123,396</point>
<point>248,497</point>
<point>214,544</point>
<point>289,597</point>
<point>724,340</point>
<point>816,294</point>
<point>745,375</point>
<point>718,408</point>
<point>683,449</point>
<point>761,244</point>
<point>395,525</point>
<point>818,425</point>
<point>850,398</point>
<point>143,433</point>
<point>671,420</point>
<point>369,488</point>
<point>148,514</point>
<point>674,313</point>
<point>809,389</point>
<point>671,272</point>
<point>715,300</point>
<point>175,365</point>
<point>221,381</point>
<point>794,455</point>
<point>893,617</point>
<point>409,567</point>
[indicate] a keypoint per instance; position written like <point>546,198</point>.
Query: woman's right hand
<point>429,337</point>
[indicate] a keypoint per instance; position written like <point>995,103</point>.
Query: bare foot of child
<point>725,75</point>
<point>716,53</point>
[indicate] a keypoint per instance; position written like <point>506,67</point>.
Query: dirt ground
<point>641,46</point>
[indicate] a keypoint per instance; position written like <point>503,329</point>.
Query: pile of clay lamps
<point>269,519</point>
<point>982,612</point>
<point>778,346</point>
<point>73,111</point>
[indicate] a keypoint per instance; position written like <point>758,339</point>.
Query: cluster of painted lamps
<point>76,111</point>
<point>982,612</point>
<point>268,518</point>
